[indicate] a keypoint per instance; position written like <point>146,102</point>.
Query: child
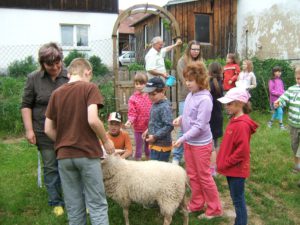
<point>119,137</point>
<point>216,120</point>
<point>291,99</point>
<point>246,78</point>
<point>197,140</point>
<point>139,106</point>
<point>233,159</point>
<point>160,125</point>
<point>72,122</point>
<point>231,72</point>
<point>276,89</point>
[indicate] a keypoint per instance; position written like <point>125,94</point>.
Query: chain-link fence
<point>11,53</point>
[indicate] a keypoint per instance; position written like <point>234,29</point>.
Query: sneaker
<point>204,216</point>
<point>282,127</point>
<point>58,210</point>
<point>270,124</point>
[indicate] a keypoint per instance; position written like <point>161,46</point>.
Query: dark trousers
<point>237,193</point>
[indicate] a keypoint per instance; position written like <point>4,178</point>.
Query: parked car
<point>127,58</point>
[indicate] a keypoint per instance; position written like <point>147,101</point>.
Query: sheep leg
<point>167,220</point>
<point>125,214</point>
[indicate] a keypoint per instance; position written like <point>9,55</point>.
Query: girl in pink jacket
<point>139,105</point>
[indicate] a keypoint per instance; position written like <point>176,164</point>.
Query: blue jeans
<point>178,152</point>
<point>82,182</point>
<point>237,193</point>
<point>52,178</point>
<point>160,156</point>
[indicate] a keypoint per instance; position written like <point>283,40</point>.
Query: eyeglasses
<point>195,49</point>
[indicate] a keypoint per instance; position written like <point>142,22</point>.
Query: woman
<point>38,88</point>
<point>192,53</point>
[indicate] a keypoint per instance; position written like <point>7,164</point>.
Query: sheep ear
<point>118,152</point>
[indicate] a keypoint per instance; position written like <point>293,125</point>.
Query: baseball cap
<point>115,116</point>
<point>235,94</point>
<point>153,84</point>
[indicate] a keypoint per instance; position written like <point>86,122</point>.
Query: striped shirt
<point>291,99</point>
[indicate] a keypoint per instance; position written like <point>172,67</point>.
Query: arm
<point>203,118</point>
<point>272,89</point>
<point>253,82</point>
<point>27,120</point>
<point>242,146</point>
<point>170,47</point>
<point>97,126</point>
<point>132,112</point>
<point>50,129</point>
<point>157,73</point>
<point>166,115</point>
<point>128,147</point>
<point>236,74</point>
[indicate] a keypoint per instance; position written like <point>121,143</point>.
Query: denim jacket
<point>161,123</point>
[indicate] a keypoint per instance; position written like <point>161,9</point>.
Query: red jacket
<point>231,72</point>
<point>233,158</point>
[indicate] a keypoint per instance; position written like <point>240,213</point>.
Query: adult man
<point>154,59</point>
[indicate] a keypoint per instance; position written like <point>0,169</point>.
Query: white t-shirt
<point>246,80</point>
<point>155,61</point>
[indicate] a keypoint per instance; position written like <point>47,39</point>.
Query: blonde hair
<point>197,71</point>
<point>140,78</point>
<point>78,66</point>
<point>249,65</point>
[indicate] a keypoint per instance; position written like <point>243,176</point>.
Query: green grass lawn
<point>272,193</point>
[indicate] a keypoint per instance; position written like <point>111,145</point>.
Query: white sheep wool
<point>146,183</point>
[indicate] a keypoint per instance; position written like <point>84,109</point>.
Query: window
<point>145,36</point>
<point>202,29</point>
<point>74,35</point>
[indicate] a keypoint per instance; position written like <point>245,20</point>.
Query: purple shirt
<point>195,118</point>
<point>276,89</point>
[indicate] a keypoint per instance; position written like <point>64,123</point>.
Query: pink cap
<point>235,94</point>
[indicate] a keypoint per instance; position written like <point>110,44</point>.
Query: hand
<point>128,124</point>
<point>145,134</point>
<point>165,75</point>
<point>176,144</point>
<point>150,139</point>
<point>109,147</point>
<point>276,104</point>
<point>177,122</point>
<point>178,42</point>
<point>230,82</point>
<point>30,136</point>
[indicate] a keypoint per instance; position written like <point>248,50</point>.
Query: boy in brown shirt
<point>72,122</point>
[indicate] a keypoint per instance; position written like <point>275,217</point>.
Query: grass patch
<point>271,191</point>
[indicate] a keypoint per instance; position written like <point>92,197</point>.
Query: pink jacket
<point>139,106</point>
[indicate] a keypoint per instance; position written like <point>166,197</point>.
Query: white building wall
<point>24,31</point>
<point>273,28</point>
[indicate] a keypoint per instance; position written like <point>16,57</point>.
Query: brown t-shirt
<point>68,109</point>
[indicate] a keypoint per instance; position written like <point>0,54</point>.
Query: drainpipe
<point>247,44</point>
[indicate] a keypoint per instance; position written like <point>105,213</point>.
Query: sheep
<point>146,182</point>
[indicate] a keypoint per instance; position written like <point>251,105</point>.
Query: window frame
<point>210,35</point>
<point>75,41</point>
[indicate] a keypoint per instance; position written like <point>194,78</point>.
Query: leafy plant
<point>99,69</point>
<point>135,67</point>
<point>73,55</point>
<point>20,68</point>
<point>168,64</point>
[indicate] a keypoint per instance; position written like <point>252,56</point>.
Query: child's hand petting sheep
<point>109,146</point>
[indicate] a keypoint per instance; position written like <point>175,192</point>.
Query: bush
<point>99,69</point>
<point>168,64</point>
<point>11,90</point>
<point>135,67</point>
<point>263,71</point>
<point>73,55</point>
<point>20,68</point>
